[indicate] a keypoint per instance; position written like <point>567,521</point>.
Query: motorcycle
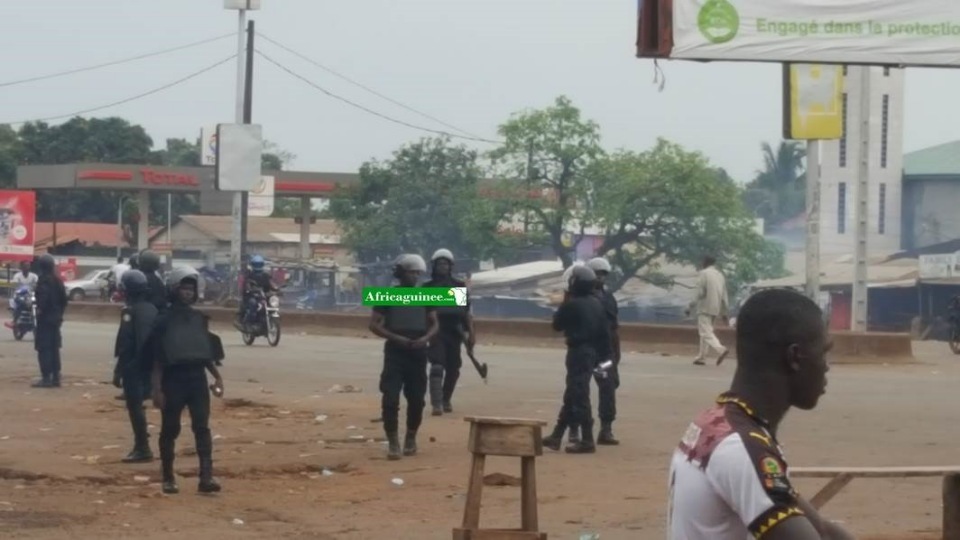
<point>24,313</point>
<point>262,318</point>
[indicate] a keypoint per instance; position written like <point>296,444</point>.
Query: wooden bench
<point>841,476</point>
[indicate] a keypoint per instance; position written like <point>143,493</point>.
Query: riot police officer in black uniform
<point>132,372</point>
<point>456,327</point>
<point>583,321</point>
<point>184,349</point>
<point>149,263</point>
<point>51,304</point>
<point>609,381</point>
<point>408,330</point>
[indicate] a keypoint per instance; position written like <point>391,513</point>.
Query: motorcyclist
<point>24,278</point>
<point>255,277</point>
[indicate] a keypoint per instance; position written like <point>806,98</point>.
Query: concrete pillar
<point>305,212</point>
<point>143,228</point>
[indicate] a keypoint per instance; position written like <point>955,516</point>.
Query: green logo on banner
<point>718,21</point>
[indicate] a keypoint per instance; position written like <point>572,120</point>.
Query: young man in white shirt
<point>23,277</point>
<point>729,479</point>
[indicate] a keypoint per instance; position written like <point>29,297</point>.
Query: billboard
<point>239,156</point>
<point>883,32</point>
<point>813,101</point>
<point>18,210</point>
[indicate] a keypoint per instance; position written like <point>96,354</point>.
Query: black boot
<point>44,382</point>
<point>55,380</point>
<point>605,437</point>
<point>166,464</point>
<point>555,439</point>
<point>436,394</point>
<point>207,483</point>
<point>410,444</point>
<point>140,454</point>
<point>393,446</point>
<point>574,434</point>
<point>585,445</point>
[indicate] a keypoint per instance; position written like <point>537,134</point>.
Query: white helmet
<point>442,254</point>
<point>411,261</point>
<point>599,264</point>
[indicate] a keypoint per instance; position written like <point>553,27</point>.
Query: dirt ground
<point>300,460</point>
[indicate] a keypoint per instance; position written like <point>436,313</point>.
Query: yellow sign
<point>813,102</point>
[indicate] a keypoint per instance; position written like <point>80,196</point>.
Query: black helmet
<point>46,264</point>
<point>149,261</point>
<point>134,283</point>
<point>582,280</point>
<point>177,276</point>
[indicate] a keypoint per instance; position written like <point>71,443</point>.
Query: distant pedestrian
<point>710,304</point>
<point>51,303</point>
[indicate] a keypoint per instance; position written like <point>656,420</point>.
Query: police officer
<point>582,319</point>
<point>149,263</point>
<point>407,330</point>
<point>607,384</point>
<point>132,372</point>
<point>51,303</point>
<point>456,325</point>
<point>134,261</point>
<point>184,349</point>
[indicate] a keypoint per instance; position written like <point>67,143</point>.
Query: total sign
<point>208,145</point>
<point>885,32</point>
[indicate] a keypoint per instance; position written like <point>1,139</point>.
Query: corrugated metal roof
<point>517,272</point>
<point>899,272</point>
<point>943,159</point>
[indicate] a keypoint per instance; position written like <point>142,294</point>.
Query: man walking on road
<point>710,303</point>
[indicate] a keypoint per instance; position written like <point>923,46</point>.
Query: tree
<point>423,199</point>
<point>778,192</point>
<point>671,204</point>
<point>544,155</point>
<point>10,151</point>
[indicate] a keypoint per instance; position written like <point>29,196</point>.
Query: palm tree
<point>783,177</point>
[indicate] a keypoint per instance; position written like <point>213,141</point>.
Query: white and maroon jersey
<point>728,478</point>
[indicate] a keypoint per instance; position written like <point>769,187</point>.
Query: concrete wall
<point>840,160</point>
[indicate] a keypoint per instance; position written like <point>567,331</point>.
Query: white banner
<point>260,200</point>
<point>895,32</point>
<point>945,265</point>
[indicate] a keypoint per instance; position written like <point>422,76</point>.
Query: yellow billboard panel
<point>813,101</point>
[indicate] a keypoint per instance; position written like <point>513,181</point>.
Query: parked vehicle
<point>91,285</point>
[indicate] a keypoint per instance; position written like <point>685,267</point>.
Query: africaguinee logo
<point>415,296</point>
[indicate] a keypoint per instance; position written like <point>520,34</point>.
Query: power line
<point>115,62</point>
<point>368,110</point>
<point>129,99</point>
<point>368,89</point>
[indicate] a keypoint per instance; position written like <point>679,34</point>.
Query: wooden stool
<point>503,437</point>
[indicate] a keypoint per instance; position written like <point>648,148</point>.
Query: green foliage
<point>671,204</point>
<point>778,193</point>
<point>545,153</point>
<point>423,199</point>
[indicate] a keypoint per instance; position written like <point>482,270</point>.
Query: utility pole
<point>813,220</point>
<point>236,236</point>
<point>862,214</point>
<point>247,118</point>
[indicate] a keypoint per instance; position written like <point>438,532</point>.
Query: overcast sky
<point>469,63</point>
